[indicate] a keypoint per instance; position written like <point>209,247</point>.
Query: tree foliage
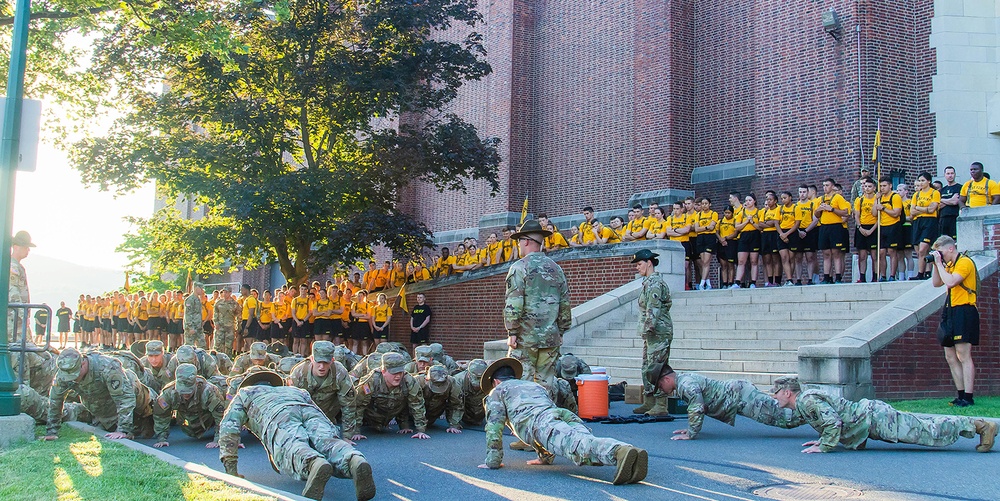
<point>294,124</point>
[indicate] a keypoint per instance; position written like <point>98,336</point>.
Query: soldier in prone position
<point>386,394</point>
<point>199,406</point>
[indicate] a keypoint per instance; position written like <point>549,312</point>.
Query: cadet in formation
<point>442,396</point>
<point>194,326</point>
<point>224,316</point>
<point>851,424</point>
<point>154,360</point>
<point>199,406</point>
<point>525,407</point>
<point>469,383</point>
<point>386,394</point>
<point>721,400</point>
<point>328,383</point>
<point>300,441</point>
<point>655,328</point>
<point>258,356</point>
<point>115,397</point>
<point>536,311</point>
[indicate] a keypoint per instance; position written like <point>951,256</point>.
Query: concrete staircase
<point>738,334</point>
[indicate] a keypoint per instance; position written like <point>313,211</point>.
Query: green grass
<point>985,407</point>
<point>79,466</point>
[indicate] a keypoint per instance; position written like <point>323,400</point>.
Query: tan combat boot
<point>319,473</point>
<point>364,483</point>
<point>520,445</point>
<point>641,465</point>
<point>647,403</point>
<point>625,458</point>
<point>987,431</point>
<point>659,408</point>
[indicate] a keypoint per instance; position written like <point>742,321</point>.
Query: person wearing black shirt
<point>948,211</point>
<point>41,321</point>
<point>420,322</point>
<point>63,314</point>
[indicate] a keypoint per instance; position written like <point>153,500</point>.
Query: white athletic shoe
<point>753,286</point>
<point>734,286</point>
<point>788,284</point>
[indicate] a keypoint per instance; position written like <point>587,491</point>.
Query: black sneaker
<point>955,402</point>
<point>962,403</point>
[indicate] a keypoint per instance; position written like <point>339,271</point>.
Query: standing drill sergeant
<point>328,383</point>
<point>442,395</point>
<point>655,328</point>
<point>198,403</point>
<point>155,361</point>
<point>469,382</point>
<point>194,326</point>
<point>300,441</point>
<point>525,407</point>
<point>721,400</point>
<point>537,311</point>
<point>386,394</point>
<point>258,356</point>
<point>224,316</point>
<point>37,406</point>
<point>20,246</point>
<point>115,397</point>
<point>851,424</point>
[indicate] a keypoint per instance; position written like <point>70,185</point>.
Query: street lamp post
<point>10,401</point>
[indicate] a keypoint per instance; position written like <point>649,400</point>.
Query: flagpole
<point>876,156</point>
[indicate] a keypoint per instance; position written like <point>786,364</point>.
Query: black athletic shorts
<point>208,327</point>
<point>906,236</point>
<point>769,242</point>
<point>890,236</point>
<point>792,244</point>
<point>749,241</point>
<point>322,327</point>
<point>730,251</point>
<point>862,242</point>
<point>925,230</point>
<point>948,226</point>
<point>810,242</point>
<point>959,324</point>
<point>360,330</point>
<point>706,243</point>
<point>384,335</point>
<point>301,331</point>
<point>263,333</point>
<point>832,236</point>
<point>688,250</point>
<point>106,324</point>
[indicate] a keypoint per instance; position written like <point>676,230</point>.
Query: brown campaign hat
<point>138,348</point>
<point>22,238</point>
<point>270,377</point>
<point>656,371</point>
<point>529,227</point>
<point>503,362</point>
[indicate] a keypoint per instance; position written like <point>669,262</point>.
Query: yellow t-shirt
<point>727,226</point>
<point>300,308</point>
<point>345,307</point>
<point>360,309</point>
<point>891,201</point>
<point>312,306</point>
<point>556,240</point>
<point>706,219</point>
<point>142,314</point>
<point>957,295</point>
<point>863,208</point>
<point>637,225</point>
<point>805,212</point>
<point>837,202</point>
<point>508,248</point>
<point>421,275</point>
<point>611,235</point>
<point>266,313</point>
<point>323,305</point>
<point>749,215</point>
<point>979,194</point>
<point>442,265</point>
<point>587,232</point>
<point>381,313</point>
<point>786,217</point>
<point>677,223</point>
<point>281,310</point>
<point>766,215</point>
<point>249,303</point>
<point>397,278</point>
<point>924,199</point>
<point>491,252</point>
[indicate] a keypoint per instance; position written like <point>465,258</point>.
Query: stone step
<point>781,335</point>
<point>683,364</point>
<point>762,355</point>
<point>733,325</point>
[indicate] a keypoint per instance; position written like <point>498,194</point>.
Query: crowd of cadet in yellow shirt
<point>119,319</point>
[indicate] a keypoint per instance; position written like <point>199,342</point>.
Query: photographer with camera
<point>959,329</point>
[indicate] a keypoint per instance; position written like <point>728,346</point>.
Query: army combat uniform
<point>194,326</point>
<point>293,431</point>
<point>723,400</point>
<point>201,412</point>
<point>438,354</point>
<point>536,313</point>
<point>258,356</point>
<point>442,396</point>
<point>115,397</point>
<point>160,374</point>
<point>224,317</point>
<point>18,293</point>
<point>376,403</point>
<point>39,368</point>
<point>657,332</point>
<point>473,395</point>
<point>334,394</point>
<point>37,405</point>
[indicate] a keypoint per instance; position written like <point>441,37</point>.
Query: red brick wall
<point>469,313</point>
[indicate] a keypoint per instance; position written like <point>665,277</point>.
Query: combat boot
<point>364,483</point>
<point>641,465</point>
<point>319,473</point>
<point>647,403</point>
<point>659,408</point>
<point>625,458</point>
<point>520,446</point>
<point>987,431</point>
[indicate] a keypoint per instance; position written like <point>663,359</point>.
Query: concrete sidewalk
<point>748,462</point>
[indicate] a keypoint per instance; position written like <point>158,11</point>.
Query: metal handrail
<point>24,348</point>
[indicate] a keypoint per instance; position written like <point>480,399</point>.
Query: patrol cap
<point>288,363</point>
<point>790,382</point>
<point>423,354</point>
<point>322,351</point>
<point>185,354</point>
<point>154,347</point>
<point>486,380</point>
<point>184,378</point>
<point>437,378</point>
<point>69,362</point>
<point>436,348</point>
<point>22,238</point>
<point>198,284</point>
<point>569,366</point>
<point>530,227</point>
<point>383,348</point>
<point>393,363</point>
<point>476,368</point>
<point>656,371</point>
<point>644,255</point>
<point>258,351</point>
<point>263,377</point>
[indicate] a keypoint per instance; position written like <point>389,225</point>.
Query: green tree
<point>296,130</point>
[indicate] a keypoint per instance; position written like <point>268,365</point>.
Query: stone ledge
<point>17,428</point>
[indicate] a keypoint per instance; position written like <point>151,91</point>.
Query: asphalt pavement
<point>747,462</point>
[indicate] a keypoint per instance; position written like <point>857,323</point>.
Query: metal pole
<point>10,401</point>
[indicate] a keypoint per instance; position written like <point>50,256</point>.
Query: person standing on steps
<point>655,328</point>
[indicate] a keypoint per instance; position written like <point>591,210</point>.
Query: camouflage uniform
<point>723,400</point>
<point>223,361</point>
<point>569,367</point>
<point>564,396</point>
<point>194,327</point>
<point>335,392</point>
<point>290,426</point>
<point>160,374</point>
<point>208,367</point>
<point>472,393</point>
<point>115,397</point>
<point>423,354</point>
<point>839,420</point>
<point>202,411</point>
<point>18,294</point>
<point>131,362</point>
<point>442,394</point>
<point>655,327</point>
<point>525,407</point>
<point>537,312</point>
<point>376,404</point>
<point>346,357</point>
<point>224,317</point>
<point>37,405</point>
<point>373,361</point>
<point>258,356</point>
<point>287,364</point>
<point>437,352</point>
<point>39,368</point>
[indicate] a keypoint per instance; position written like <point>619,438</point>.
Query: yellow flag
<point>127,288</point>
<point>524,210</point>
<point>402,298</point>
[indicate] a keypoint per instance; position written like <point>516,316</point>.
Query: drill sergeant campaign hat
<point>322,351</point>
<point>278,348</point>
<point>644,255</point>
<point>393,363</point>
<point>22,239</point>
<point>531,227</point>
<point>656,371</point>
<point>263,377</point>
<point>138,348</point>
<point>258,351</point>
<point>70,361</point>
<point>437,378</point>
<point>185,378</point>
<point>486,381</point>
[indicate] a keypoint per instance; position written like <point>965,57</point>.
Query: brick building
<point>600,102</point>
